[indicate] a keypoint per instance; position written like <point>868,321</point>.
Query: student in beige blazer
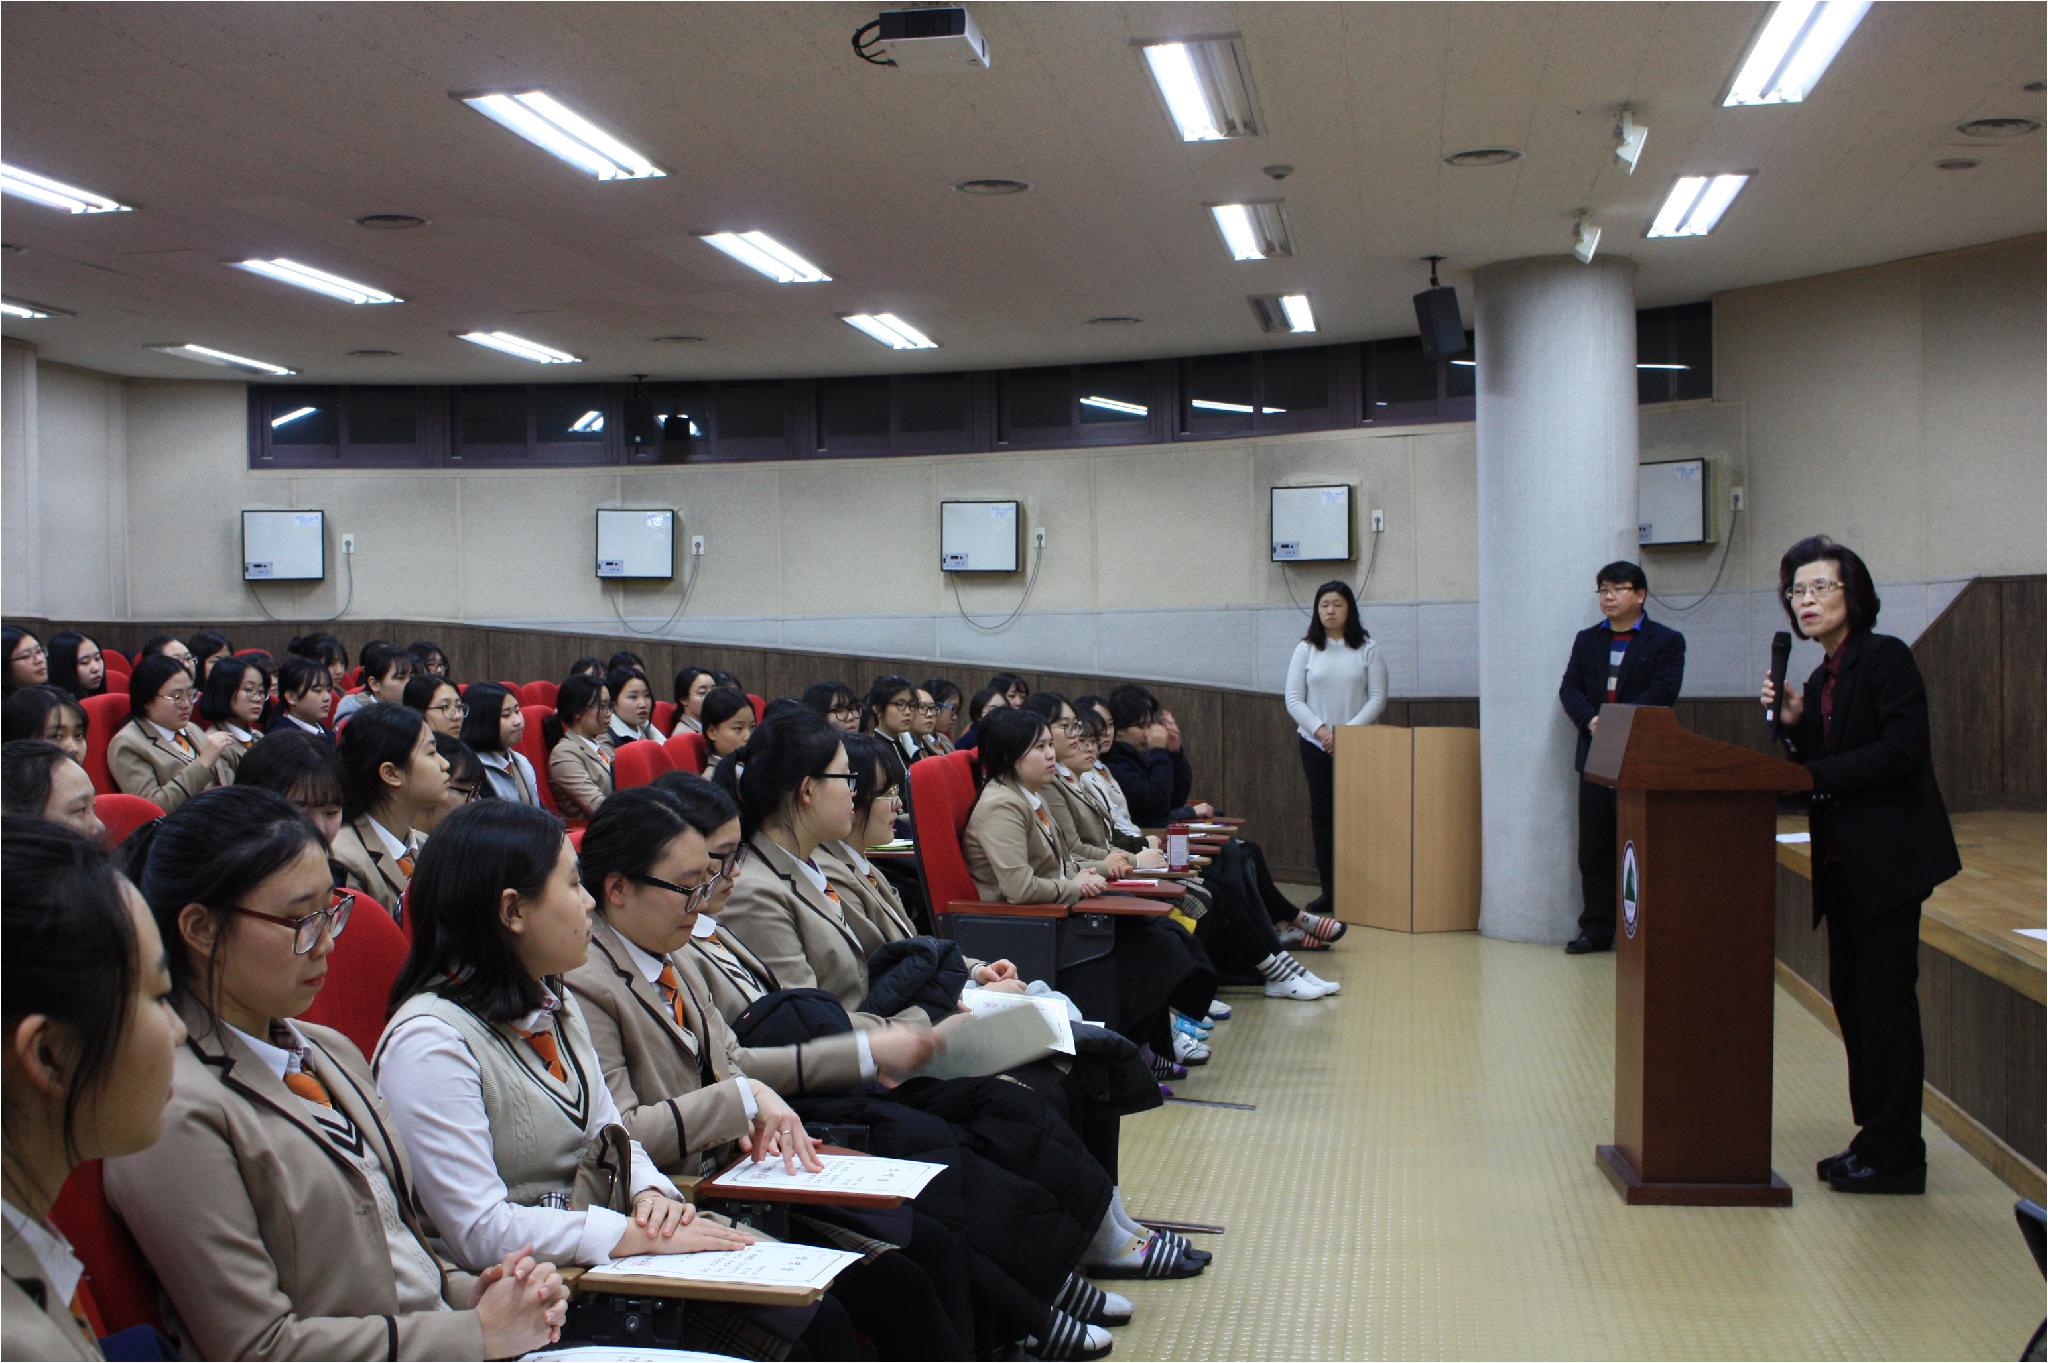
<point>84,968</point>
<point>579,761</point>
<point>278,1211</point>
<point>160,754</point>
<point>396,775</point>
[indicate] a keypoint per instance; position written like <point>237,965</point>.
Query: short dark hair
<point>1006,735</point>
<point>304,769</point>
<point>319,648</point>
<point>420,688</point>
<point>1089,702</point>
<point>615,681</point>
<point>939,689</point>
<point>685,679</point>
<point>24,713</point>
<point>574,698</point>
<point>217,693</point>
<point>299,674</point>
<point>486,701</point>
<point>1622,573</point>
<point>1045,704</point>
<point>724,678</point>
<point>373,736</point>
<point>978,706</point>
<point>380,660</point>
<point>206,644</point>
<point>784,752</point>
<point>64,647</point>
<point>423,649</point>
<point>586,665</point>
<point>150,676</point>
<point>461,949</point>
<point>626,837</point>
<point>822,698</point>
<point>10,639</point>
<point>1355,633</point>
<point>67,952</point>
<point>886,688</point>
<point>1860,591</point>
<point>722,703</point>
<point>625,658</point>
<point>703,805</point>
<point>27,766</point>
<point>155,644</point>
<point>463,763</point>
<point>1010,681</point>
<point>781,705</point>
<point>1131,706</point>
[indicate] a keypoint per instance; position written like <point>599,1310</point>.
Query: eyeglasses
<point>604,707</point>
<point>1613,591</point>
<point>910,705</point>
<point>32,655</point>
<point>306,931</point>
<point>846,776</point>
<point>927,709</point>
<point>844,712</point>
<point>454,708</point>
<point>729,864</point>
<point>694,896</point>
<point>176,697</point>
<point>253,691</point>
<point>1070,727</point>
<point>892,793</point>
<point>951,707</point>
<point>1820,589</point>
<point>468,793</point>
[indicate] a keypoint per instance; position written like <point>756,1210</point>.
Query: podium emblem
<point>1630,898</point>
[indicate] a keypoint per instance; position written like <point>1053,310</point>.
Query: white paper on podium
<point>980,1046</point>
<point>1795,837</point>
<point>1052,1007</point>
<point>2038,934</point>
<point>763,1264</point>
<point>841,1174</point>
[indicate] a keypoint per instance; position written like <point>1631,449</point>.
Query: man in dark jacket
<point>1630,659</point>
<point>1147,762</point>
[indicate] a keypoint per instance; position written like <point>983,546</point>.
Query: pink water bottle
<point>1177,847</point>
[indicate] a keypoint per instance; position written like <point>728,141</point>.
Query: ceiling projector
<point>942,38</point>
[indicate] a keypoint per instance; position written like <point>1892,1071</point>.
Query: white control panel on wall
<point>980,537</point>
<point>636,543</point>
<point>1312,524</point>
<point>1673,504</point>
<point>284,546</point>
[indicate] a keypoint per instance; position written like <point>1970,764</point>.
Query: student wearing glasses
<point>28,662</point>
<point>579,761</point>
<point>47,714</point>
<point>91,1040</point>
<point>305,694</point>
<point>728,723</point>
<point>1627,658</point>
<point>890,714</point>
<point>160,754</point>
<point>945,697</point>
<point>428,658</point>
<point>492,730</point>
<point>632,708</point>
<point>465,783</point>
<point>170,646</point>
<point>77,664</point>
<point>42,781</point>
<point>836,703</point>
<point>278,1212</point>
<point>231,701</point>
<point>386,670</point>
<point>436,698</point>
<point>396,777</point>
<point>692,685</point>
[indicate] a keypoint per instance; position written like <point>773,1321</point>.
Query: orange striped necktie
<point>543,1043</point>
<point>1044,819</point>
<point>405,865</point>
<point>672,992</point>
<point>184,743</point>
<point>308,1087</point>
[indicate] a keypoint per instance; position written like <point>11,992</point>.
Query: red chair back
<point>539,693</point>
<point>252,653</point>
<point>941,797</point>
<point>687,752</point>
<point>124,1289</point>
<point>117,661</point>
<point>576,837</point>
<point>352,680</point>
<point>638,763</point>
<point>760,706</point>
<point>116,683</point>
<point>356,999</point>
<point>104,716</point>
<point>123,814</point>
<point>664,715</point>
<point>533,743</point>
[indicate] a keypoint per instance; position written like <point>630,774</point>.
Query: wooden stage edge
<point>2013,1169</point>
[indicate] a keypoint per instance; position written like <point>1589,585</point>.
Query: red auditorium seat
<point>123,814</point>
<point>356,999</point>
<point>687,752</point>
<point>104,716</point>
<point>533,743</point>
<point>124,1290</point>
<point>760,706</point>
<point>117,683</point>
<point>638,763</point>
<point>539,693</point>
<point>664,715</point>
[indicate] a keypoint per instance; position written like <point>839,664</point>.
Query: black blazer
<point>1156,782</point>
<point>1650,675</point>
<point>1875,803</point>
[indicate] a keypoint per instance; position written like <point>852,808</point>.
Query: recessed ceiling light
<point>1288,312</point>
<point>519,347</point>
<point>1481,156</point>
<point>208,355</point>
<point>1680,368</point>
<point>1695,205</point>
<point>1997,127</point>
<point>318,281</point>
<point>390,222</point>
<point>373,354</point>
<point>55,193</point>
<point>1254,231</point>
<point>30,312</point>
<point>890,330</point>
<point>759,251</point>
<point>1792,50</point>
<point>1957,163</point>
<point>1206,84</point>
<point>1116,405</point>
<point>677,340</point>
<point>1114,320</point>
<point>555,128</point>
<point>991,188</point>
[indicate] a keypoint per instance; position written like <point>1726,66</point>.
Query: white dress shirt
<point>650,970</point>
<point>53,1253</point>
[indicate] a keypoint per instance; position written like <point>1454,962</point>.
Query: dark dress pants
<point>1320,770</point>
<point>1873,971</point>
<point>1597,857</point>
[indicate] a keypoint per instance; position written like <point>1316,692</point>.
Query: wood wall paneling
<point>2023,681</point>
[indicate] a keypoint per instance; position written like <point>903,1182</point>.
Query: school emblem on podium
<point>1630,901</point>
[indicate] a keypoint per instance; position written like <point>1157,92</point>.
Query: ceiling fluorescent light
<point>1206,84</point>
<point>589,421</point>
<point>553,127</point>
<point>29,312</point>
<point>1284,312</point>
<point>1117,405</point>
<point>1210,405</point>
<point>1792,50</point>
<point>56,194</point>
<point>208,355</point>
<point>759,251</point>
<point>519,346</point>
<point>1466,364</point>
<point>1254,231</point>
<point>1695,205</point>
<point>890,330</point>
<point>319,281</point>
<point>1471,364</point>
<point>295,414</point>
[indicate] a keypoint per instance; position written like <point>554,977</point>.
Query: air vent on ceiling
<point>677,340</point>
<point>1958,163</point>
<point>992,188</point>
<point>373,354</point>
<point>1482,156</point>
<point>1997,127</point>
<point>389,222</point>
<point>1115,320</point>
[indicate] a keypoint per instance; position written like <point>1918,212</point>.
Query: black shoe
<point>1852,1175</point>
<point>1822,1168</point>
<point>1582,945</point>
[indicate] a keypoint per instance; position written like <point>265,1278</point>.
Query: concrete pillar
<point>1557,440</point>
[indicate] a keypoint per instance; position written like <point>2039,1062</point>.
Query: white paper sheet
<point>1052,1007</point>
<point>763,1264</point>
<point>893,845</point>
<point>1133,884</point>
<point>1208,828</point>
<point>981,1046</point>
<point>607,1353</point>
<point>1795,837</point>
<point>2038,934</point>
<point>841,1174</point>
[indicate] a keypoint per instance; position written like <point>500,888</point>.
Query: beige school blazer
<point>873,909</point>
<point>371,869</point>
<point>580,778</point>
<point>1084,824</point>
<point>673,1083</point>
<point>800,935</point>
<point>142,763</point>
<point>33,1323</point>
<point>1013,858</point>
<point>267,1240</point>
<point>727,994</point>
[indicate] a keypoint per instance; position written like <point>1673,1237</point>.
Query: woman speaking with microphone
<point>1336,676</point>
<point>1881,843</point>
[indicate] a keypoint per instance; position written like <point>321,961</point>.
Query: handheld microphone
<point>1781,653</point>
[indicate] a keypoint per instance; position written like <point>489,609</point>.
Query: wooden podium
<point>1693,982</point>
<point>1407,834</point>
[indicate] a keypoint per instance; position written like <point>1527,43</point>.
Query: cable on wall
<point>348,565</point>
<point>659,631</point>
<point>1030,582</point>
<point>1728,543</point>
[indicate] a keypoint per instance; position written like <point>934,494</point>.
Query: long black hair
<point>627,836</point>
<point>1006,735</point>
<point>323,649</point>
<point>373,736</point>
<point>206,644</point>
<point>461,948</point>
<point>703,805</point>
<point>27,711</point>
<point>720,704</point>
<point>822,698</point>
<point>486,701</point>
<point>685,679</point>
<point>26,768</point>
<point>67,952</point>
<point>886,688</point>
<point>765,775</point>
<point>64,646</point>
<point>1355,633</point>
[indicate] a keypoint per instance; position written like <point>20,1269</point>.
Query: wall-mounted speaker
<point>1436,316</point>
<point>642,426</point>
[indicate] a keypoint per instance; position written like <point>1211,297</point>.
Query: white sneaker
<point>1327,986</point>
<point>1303,986</point>
<point>1291,936</point>
<point>1189,1051</point>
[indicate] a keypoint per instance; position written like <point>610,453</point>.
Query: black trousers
<point>1597,858</point>
<point>912,1303</point>
<point>1873,968</point>
<point>1320,770</point>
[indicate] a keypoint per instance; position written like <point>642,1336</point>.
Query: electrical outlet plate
<point>348,544</point>
<point>1735,499</point>
<point>1038,539</point>
<point>1379,522</point>
<point>696,546</point>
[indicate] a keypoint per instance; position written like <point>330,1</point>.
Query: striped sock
<point>1279,966</point>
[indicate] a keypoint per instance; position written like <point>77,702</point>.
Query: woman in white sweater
<point>1336,676</point>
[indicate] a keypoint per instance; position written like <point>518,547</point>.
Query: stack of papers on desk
<point>870,1174</point>
<point>758,1265</point>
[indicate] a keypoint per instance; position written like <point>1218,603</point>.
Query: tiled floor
<point>1418,1182</point>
